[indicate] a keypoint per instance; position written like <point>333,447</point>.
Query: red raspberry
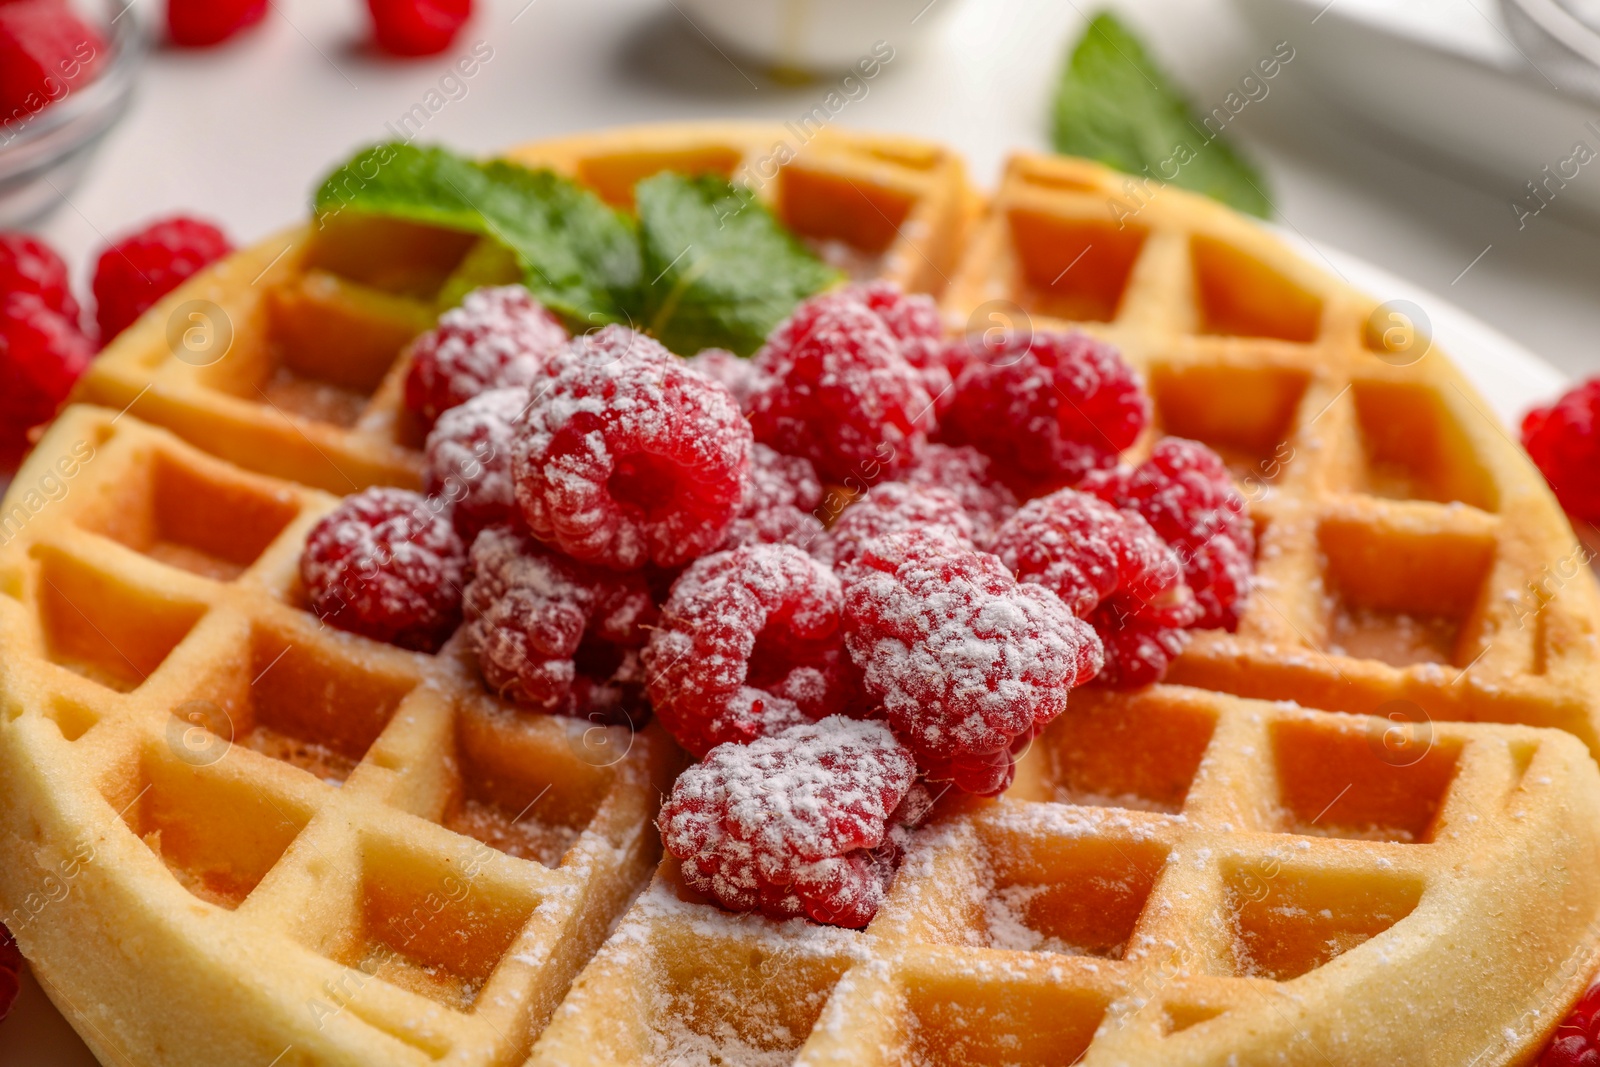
<point>141,269</point>
<point>968,662</point>
<point>417,27</point>
<point>529,611</point>
<point>42,354</point>
<point>1576,1042</point>
<point>385,565</point>
<point>840,392</point>
<point>498,338</point>
<point>468,459</point>
<point>894,508</point>
<point>199,23</point>
<point>911,317</point>
<point>748,645</point>
<point>627,457</point>
<point>1564,441</point>
<point>1110,568</point>
<point>969,474</point>
<point>1138,653</point>
<point>1049,406</point>
<point>28,265</point>
<point>734,373</point>
<point>46,51</point>
<point>1185,492</point>
<point>788,824</point>
<point>914,320</point>
<point>781,497</point>
<point>10,972</point>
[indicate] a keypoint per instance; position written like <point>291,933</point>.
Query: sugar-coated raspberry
<point>498,337</point>
<point>387,565</point>
<point>910,316</point>
<point>1048,406</point>
<point>627,457</point>
<point>788,825</point>
<point>28,265</point>
<point>1564,441</point>
<point>969,662</point>
<point>969,474</point>
<point>780,502</point>
<point>894,508</point>
<point>914,320</point>
<point>10,972</point>
<point>1576,1042</point>
<point>736,374</point>
<point>46,52</point>
<point>417,27</point>
<point>468,458</point>
<point>42,353</point>
<point>139,270</point>
<point>1111,568</point>
<point>748,644</point>
<point>1138,653</point>
<point>840,392</point>
<point>200,23</point>
<point>529,611</point>
<point>1185,492</point>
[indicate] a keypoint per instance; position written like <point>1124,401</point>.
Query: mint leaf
<point>706,265</point>
<point>720,270</point>
<point>577,255</point>
<point>1116,106</point>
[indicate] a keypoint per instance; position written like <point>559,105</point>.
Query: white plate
<point>1509,376</point>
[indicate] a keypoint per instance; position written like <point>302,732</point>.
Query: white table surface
<point>242,133</point>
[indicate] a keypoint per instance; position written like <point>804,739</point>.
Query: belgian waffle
<point>238,837</point>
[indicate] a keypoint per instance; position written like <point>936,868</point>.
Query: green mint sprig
<point>1115,105</point>
<point>703,265</point>
<point>722,270</point>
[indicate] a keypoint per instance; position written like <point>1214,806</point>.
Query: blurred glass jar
<point>816,36</point>
<point>43,155</point>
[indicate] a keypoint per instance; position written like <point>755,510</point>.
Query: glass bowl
<point>43,155</point>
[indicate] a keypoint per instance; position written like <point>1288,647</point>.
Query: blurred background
<point>1403,133</point>
<point>1449,142</point>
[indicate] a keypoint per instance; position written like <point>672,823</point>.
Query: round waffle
<point>1362,829</point>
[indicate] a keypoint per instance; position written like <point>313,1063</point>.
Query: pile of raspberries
<point>860,569</point>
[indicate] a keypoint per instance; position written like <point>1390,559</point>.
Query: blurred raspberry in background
<point>200,23</point>
<point>46,51</point>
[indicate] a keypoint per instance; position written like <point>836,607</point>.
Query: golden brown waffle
<point>1409,551</point>
<point>1178,877</point>
<point>238,837</point>
<point>310,388</point>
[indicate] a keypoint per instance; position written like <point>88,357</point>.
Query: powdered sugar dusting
<point>386,563</point>
<point>781,497</point>
<point>969,474</point>
<point>966,659</point>
<point>784,824</point>
<point>839,391</point>
<point>468,457</point>
<point>709,683</point>
<point>894,508</point>
<point>528,610</point>
<point>627,457</point>
<point>499,337</point>
<point>739,376</point>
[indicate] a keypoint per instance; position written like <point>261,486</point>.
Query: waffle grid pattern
<point>1037,931</point>
<point>429,868</point>
<point>382,863</point>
